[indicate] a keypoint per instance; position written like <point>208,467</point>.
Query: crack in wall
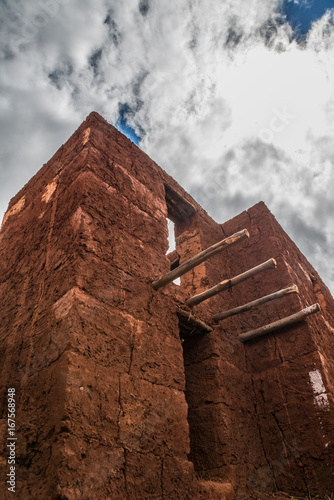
<point>260,432</point>
<point>291,451</point>
<point>261,439</point>
<point>286,445</point>
<point>132,347</point>
<point>120,408</point>
<point>120,413</point>
<point>162,480</point>
<point>277,350</point>
<point>126,474</point>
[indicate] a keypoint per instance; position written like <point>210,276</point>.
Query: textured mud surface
<point>110,402</point>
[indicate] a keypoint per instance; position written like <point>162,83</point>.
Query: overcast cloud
<point>220,92</point>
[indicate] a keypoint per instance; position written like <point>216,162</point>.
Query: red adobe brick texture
<point>292,371</point>
<point>110,402</point>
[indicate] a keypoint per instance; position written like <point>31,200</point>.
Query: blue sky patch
<point>123,126</point>
<point>302,13</point>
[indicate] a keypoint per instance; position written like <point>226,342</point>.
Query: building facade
<point>122,389</point>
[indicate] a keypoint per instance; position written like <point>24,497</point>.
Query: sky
<point>233,98</point>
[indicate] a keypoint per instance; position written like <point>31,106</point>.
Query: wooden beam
<point>199,258</point>
<point>281,323</point>
<point>255,303</point>
<point>189,324</point>
<point>178,208</point>
<point>226,284</point>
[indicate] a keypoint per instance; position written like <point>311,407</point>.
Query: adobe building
<point>130,386</point>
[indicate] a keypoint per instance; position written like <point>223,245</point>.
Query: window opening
<point>171,236</point>
<point>175,264</point>
<point>172,247</point>
<point>178,210</point>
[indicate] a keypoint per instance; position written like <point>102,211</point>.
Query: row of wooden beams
<point>281,323</point>
<point>226,284</point>
<point>199,258</point>
<point>246,307</point>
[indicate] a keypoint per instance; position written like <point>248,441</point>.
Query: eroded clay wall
<point>260,414</point>
<point>93,352</point>
<point>110,402</point>
<point>292,369</point>
<point>225,442</point>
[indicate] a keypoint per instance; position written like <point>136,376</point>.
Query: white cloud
<point>218,90</point>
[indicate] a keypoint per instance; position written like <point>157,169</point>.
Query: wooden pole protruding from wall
<point>281,323</point>
<point>246,307</point>
<point>227,284</point>
<point>199,258</point>
<point>191,322</point>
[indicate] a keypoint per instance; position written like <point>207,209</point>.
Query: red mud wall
<point>260,414</point>
<point>110,402</point>
<point>292,371</point>
<point>93,352</point>
<point>225,442</point>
